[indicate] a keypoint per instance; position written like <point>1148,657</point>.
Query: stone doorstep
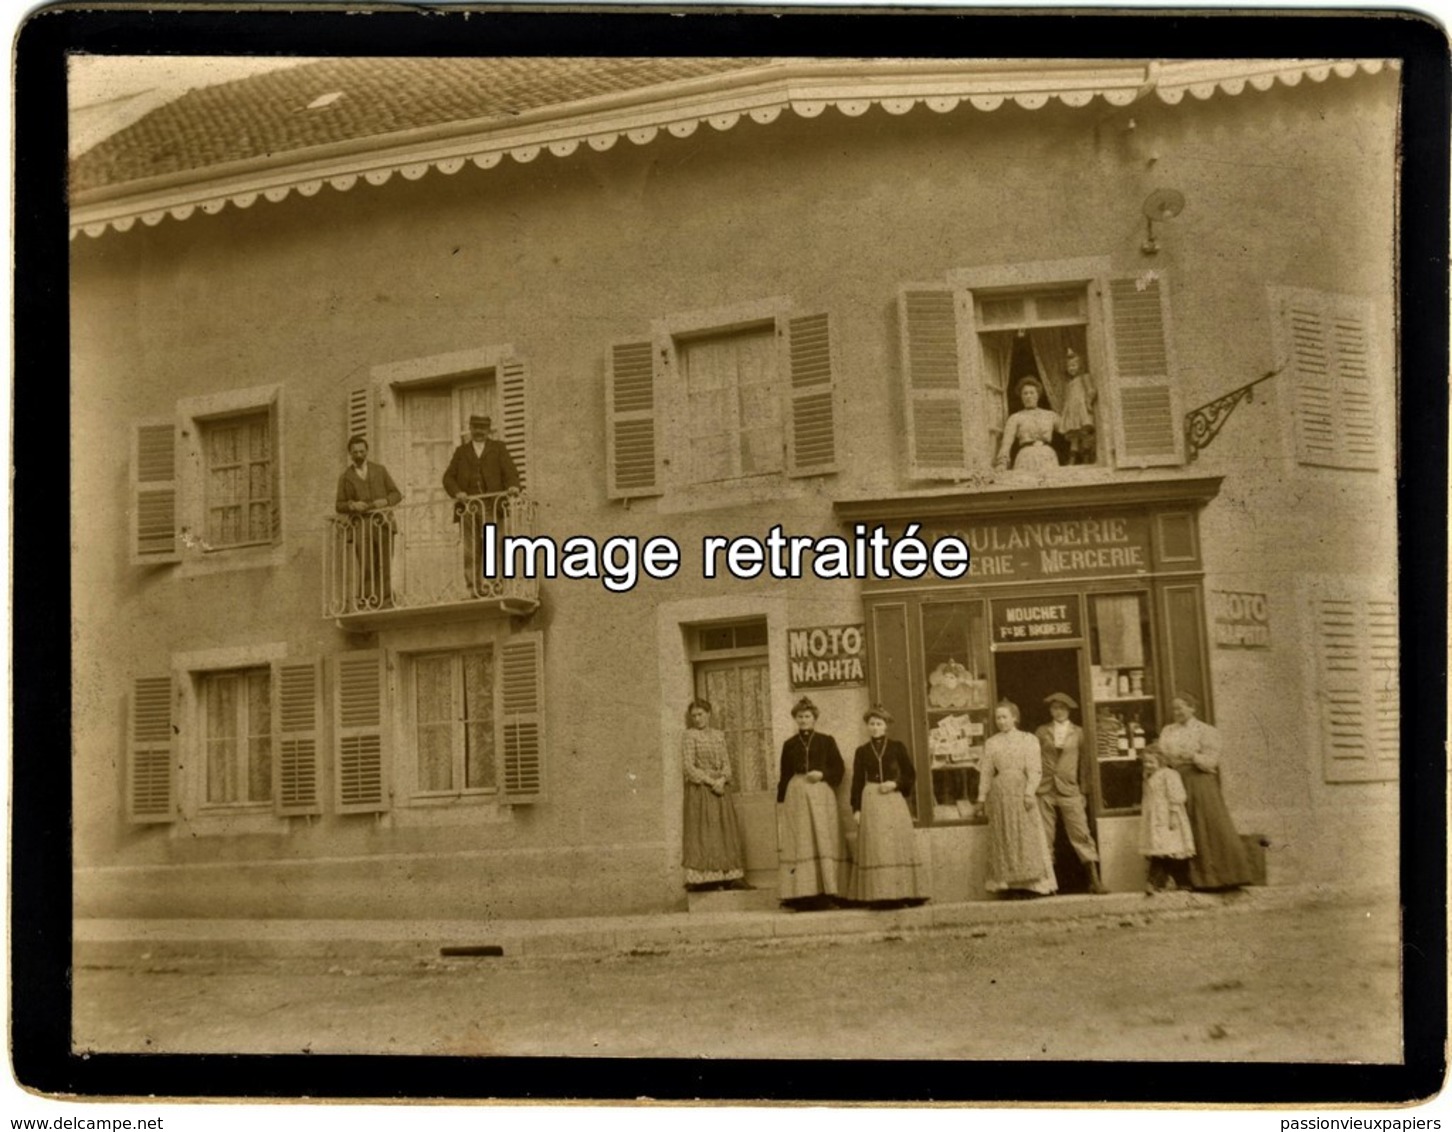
<point>128,942</point>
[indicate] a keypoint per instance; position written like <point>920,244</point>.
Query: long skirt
<point>809,840</point>
<point>886,864</point>
<point>711,840</point>
<point>1219,860</point>
<point>1018,854</point>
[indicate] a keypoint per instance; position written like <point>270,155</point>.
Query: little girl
<point>1078,414</point>
<point>1164,830</point>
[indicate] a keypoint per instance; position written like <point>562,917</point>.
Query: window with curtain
<point>733,405</point>
<point>454,722</point>
<point>1021,345</point>
<point>237,725</point>
<point>241,481</point>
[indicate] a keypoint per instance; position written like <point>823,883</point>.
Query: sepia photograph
<point>794,557</point>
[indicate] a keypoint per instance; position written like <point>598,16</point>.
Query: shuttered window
<point>1147,422</point>
<point>513,381</point>
<point>937,397</point>
<point>811,420</point>
<point>153,493</point>
<point>1325,341</point>
<point>359,414</point>
<point>631,437</point>
<point>297,758</point>
<point>964,351</point>
<point>1360,693</point>
<point>150,763</point>
<point>358,734</point>
<point>753,397</point>
<point>521,668</point>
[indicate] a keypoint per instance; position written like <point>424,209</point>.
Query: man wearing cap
<point>365,492</point>
<point>1069,787</point>
<point>480,466</point>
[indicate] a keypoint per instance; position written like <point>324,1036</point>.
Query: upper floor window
<point>1034,367</point>
<point>208,479</point>
<point>733,405</point>
<point>241,490</point>
<point>719,396</point>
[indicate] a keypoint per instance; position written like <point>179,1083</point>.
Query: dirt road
<point>1315,982</point>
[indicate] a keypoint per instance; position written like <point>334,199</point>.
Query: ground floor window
<point>237,725</point>
<point>454,722</point>
<point>941,659</point>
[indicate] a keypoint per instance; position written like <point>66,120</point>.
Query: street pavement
<point>1268,974</point>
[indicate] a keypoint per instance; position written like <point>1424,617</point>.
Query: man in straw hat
<point>1069,788</point>
<point>481,466</point>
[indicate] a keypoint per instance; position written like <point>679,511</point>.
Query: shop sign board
<point>827,656</point>
<point>1032,620</point>
<point>1241,620</point>
<point>1045,549</point>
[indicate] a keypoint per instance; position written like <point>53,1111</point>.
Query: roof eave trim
<point>761,93</point>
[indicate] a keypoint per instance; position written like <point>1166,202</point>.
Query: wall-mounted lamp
<point>1162,204</point>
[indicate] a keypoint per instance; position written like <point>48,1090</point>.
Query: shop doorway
<point>1026,677</point>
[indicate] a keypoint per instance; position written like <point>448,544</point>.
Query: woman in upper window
<point>1032,429</point>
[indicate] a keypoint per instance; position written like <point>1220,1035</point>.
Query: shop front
<point>1096,593</point>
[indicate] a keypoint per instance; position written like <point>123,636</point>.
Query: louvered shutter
<point>1356,643</point>
<point>632,441</point>
<point>358,762</point>
<point>811,392</point>
<point>935,386</point>
<point>150,765</point>
<point>1148,419</point>
<point>1327,346</point>
<point>153,493</point>
<point>360,415</point>
<point>297,781</point>
<point>522,703</point>
<point>274,445</point>
<point>513,380</point>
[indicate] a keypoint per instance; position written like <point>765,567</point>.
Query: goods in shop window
<point>951,740</point>
<point>951,685</point>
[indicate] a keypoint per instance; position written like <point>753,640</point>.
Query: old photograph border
<point>43,538</point>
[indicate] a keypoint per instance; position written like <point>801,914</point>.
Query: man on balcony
<point>366,492</point>
<point>483,467</point>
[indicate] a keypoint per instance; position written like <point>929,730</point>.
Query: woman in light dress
<point>1008,783</point>
<point>1032,429</point>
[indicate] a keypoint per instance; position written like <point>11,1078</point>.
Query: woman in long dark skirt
<point>1192,747</point>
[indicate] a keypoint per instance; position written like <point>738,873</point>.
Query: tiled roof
<point>337,123</point>
<point>266,115</point>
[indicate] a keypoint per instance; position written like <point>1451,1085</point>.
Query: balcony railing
<point>380,565</point>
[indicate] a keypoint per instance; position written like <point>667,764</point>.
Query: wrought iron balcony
<point>421,561</point>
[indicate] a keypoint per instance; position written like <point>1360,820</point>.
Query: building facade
<point>704,298</point>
